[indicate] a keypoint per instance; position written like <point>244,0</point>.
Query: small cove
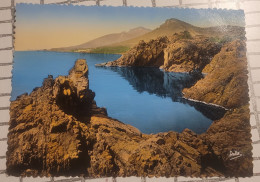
<point>146,98</point>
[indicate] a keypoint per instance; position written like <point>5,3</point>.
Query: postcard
<point>129,91</point>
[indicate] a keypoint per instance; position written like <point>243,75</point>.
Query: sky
<point>51,26</point>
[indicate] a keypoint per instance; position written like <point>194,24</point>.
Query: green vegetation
<point>110,50</point>
<point>221,40</point>
<point>185,35</point>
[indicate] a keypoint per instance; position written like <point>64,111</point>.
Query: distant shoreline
<point>64,52</point>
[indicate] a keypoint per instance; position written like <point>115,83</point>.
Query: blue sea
<point>146,98</point>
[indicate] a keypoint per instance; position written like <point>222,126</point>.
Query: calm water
<point>146,98</point>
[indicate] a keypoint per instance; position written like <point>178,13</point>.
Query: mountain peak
<point>173,21</point>
<point>138,29</point>
<point>175,24</point>
<point>109,39</point>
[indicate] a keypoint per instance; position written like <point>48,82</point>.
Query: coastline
<point>108,147</point>
<point>210,104</point>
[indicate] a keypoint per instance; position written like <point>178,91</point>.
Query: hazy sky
<point>51,26</point>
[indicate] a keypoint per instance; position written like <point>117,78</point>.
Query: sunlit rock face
<point>178,53</point>
<point>225,83</point>
<point>149,54</point>
<point>59,130</point>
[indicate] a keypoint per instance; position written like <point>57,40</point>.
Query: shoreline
<point>210,104</point>
<point>96,145</point>
<point>65,52</point>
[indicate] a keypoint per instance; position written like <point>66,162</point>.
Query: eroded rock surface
<point>150,54</point>
<point>225,82</point>
<point>178,53</point>
<point>59,130</point>
<point>230,139</point>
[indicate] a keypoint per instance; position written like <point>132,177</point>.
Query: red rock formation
<point>226,85</point>
<point>148,54</point>
<point>178,53</point>
<point>185,55</point>
<point>59,130</point>
<point>230,140</point>
<point>225,82</point>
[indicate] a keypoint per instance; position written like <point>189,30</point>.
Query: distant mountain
<point>121,42</point>
<point>171,26</point>
<point>108,39</point>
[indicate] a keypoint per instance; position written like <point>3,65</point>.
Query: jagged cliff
<point>224,84</point>
<point>144,54</point>
<point>223,63</point>
<point>178,53</point>
<point>59,130</point>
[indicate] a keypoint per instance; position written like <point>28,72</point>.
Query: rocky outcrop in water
<point>178,53</point>
<point>225,82</point>
<point>150,54</point>
<point>45,135</point>
<point>59,130</point>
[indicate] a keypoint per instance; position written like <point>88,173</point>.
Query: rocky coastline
<point>224,83</point>
<point>177,53</point>
<point>59,130</point>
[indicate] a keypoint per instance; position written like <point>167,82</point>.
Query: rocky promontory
<point>59,130</point>
<point>224,84</point>
<point>178,53</point>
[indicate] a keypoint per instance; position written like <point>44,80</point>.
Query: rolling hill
<point>121,42</point>
<point>107,39</point>
<point>172,26</point>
